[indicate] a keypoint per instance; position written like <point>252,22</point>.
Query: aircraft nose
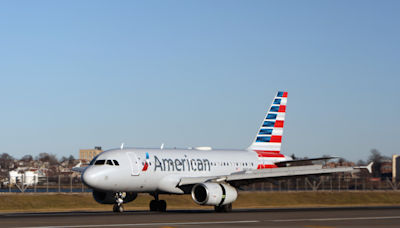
<point>90,178</point>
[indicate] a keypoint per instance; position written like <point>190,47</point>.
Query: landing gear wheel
<point>218,209</point>
<point>162,206</point>
<point>153,205</point>
<point>227,208</point>
<point>120,208</point>
<point>119,200</point>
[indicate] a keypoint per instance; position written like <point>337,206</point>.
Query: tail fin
<point>269,136</point>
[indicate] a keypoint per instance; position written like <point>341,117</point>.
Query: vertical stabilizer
<point>269,137</point>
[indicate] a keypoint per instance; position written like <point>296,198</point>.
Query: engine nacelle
<point>109,197</point>
<point>213,194</point>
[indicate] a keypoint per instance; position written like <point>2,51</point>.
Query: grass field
<point>85,202</point>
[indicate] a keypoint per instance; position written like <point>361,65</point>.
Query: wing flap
<point>290,172</point>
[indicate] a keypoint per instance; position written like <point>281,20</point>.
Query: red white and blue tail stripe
<point>269,137</point>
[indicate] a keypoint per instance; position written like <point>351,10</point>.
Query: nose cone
<point>90,178</point>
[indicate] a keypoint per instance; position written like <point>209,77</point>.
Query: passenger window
<point>109,162</point>
<point>100,162</point>
<point>115,162</point>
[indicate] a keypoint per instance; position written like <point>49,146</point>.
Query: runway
<point>342,217</point>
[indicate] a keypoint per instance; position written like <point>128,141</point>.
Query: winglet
<point>122,146</point>
<point>368,167</point>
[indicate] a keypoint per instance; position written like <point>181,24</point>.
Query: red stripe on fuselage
<point>266,166</point>
<point>270,155</point>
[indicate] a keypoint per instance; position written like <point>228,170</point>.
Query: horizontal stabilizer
<point>307,159</point>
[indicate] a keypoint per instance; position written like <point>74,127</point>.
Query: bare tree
<point>63,159</point>
<point>361,163</point>
<point>5,161</point>
<point>341,161</point>
<point>46,157</point>
<point>376,157</point>
<point>27,158</point>
<point>71,160</point>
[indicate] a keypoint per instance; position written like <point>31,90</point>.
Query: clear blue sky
<point>79,74</point>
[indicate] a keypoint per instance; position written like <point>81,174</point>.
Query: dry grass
<point>65,202</point>
<point>307,199</point>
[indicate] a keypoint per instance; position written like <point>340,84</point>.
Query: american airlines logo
<point>169,164</point>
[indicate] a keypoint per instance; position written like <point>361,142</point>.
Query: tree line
<point>7,162</point>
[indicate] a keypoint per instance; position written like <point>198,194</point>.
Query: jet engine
<point>109,197</point>
<point>213,194</point>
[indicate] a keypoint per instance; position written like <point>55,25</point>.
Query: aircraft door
<point>135,163</point>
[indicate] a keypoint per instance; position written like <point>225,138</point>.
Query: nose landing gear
<point>118,207</point>
<point>158,205</point>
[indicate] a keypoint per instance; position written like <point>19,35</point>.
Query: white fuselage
<point>160,170</point>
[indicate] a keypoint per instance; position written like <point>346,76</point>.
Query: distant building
<point>86,155</point>
<point>386,166</point>
<point>395,166</point>
<point>342,164</point>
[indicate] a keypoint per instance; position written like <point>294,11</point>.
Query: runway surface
<point>300,217</point>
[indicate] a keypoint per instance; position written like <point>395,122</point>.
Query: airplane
<point>211,176</point>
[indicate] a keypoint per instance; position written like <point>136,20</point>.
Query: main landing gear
<point>118,207</point>
<point>158,205</point>
<point>223,208</point>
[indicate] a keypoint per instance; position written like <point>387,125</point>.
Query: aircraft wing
<point>271,175</point>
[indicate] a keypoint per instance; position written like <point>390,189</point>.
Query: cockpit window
<point>109,162</point>
<point>99,162</point>
<point>93,160</point>
<point>115,162</point>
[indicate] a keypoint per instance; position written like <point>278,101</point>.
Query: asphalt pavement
<point>343,217</point>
